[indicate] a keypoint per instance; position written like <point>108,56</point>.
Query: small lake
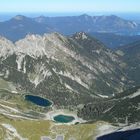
<point>64,118</point>
<point>122,135</point>
<point>38,100</point>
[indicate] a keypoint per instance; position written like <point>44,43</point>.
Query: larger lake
<point>38,100</point>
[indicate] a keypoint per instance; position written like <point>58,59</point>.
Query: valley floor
<point>19,129</point>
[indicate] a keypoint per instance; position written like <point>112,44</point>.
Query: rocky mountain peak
<point>40,19</point>
<point>38,46</point>
<point>6,47</point>
<point>32,36</point>
<point>81,35</point>
<point>19,17</point>
<point>85,15</point>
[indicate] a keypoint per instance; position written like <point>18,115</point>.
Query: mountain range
<point>19,26</point>
<point>73,64</point>
<point>69,71</point>
<point>76,73</point>
<point>114,41</point>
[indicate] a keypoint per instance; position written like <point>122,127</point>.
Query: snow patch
<point>6,74</point>
<point>103,96</point>
<point>135,94</point>
<point>19,61</point>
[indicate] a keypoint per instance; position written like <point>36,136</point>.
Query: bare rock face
<point>6,47</point>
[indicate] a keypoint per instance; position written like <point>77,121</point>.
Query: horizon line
<point>69,12</point>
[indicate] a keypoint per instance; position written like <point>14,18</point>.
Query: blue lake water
<point>123,135</point>
<point>63,118</point>
<point>38,100</point>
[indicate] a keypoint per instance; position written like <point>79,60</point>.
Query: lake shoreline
<point>50,116</point>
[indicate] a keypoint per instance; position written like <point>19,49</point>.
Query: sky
<point>70,6</point>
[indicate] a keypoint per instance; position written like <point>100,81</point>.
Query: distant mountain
<point>19,26</point>
<point>86,23</point>
<point>114,41</point>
